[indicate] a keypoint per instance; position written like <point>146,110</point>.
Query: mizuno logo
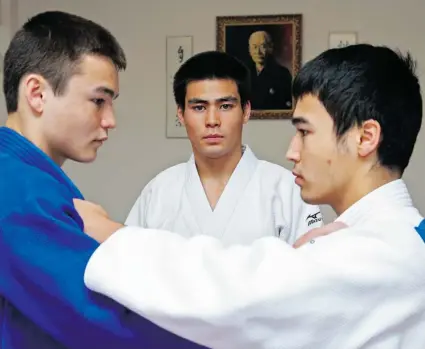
<point>312,218</point>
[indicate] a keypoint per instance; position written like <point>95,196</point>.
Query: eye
<point>198,107</point>
<point>226,106</point>
<point>99,102</point>
<point>303,133</point>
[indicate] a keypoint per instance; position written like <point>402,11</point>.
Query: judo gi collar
<point>391,196</point>
<point>14,144</point>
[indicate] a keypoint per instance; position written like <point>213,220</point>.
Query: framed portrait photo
<point>270,46</point>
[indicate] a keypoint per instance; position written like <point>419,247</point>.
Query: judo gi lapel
<point>387,200</point>
<point>214,222</point>
<point>18,146</point>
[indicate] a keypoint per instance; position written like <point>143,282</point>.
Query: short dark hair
<point>51,44</point>
<point>362,82</point>
<point>211,65</point>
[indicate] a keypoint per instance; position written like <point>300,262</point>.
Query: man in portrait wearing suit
<point>271,82</point>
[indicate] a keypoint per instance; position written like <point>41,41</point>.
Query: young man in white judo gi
<point>358,113</point>
<point>223,190</point>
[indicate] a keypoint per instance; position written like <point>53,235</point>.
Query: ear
<point>246,112</point>
<point>34,90</point>
<point>180,116</point>
<point>369,138</point>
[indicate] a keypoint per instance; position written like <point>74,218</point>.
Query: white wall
<point>138,148</point>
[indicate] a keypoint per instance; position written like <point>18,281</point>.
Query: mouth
<point>299,180</point>
<point>214,136</point>
<point>100,141</point>
<point>213,139</point>
<point>296,174</point>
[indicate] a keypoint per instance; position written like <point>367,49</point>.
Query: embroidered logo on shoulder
<point>314,218</point>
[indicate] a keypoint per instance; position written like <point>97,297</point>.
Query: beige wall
<point>139,149</point>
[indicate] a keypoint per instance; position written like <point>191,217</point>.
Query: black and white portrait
<point>270,47</point>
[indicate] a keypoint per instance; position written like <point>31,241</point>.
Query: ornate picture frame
<point>271,47</point>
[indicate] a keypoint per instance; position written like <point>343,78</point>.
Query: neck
<point>218,168</point>
<point>363,185</point>
<point>15,122</point>
<point>259,68</point>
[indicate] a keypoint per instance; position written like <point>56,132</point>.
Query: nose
<point>212,118</point>
<point>293,152</point>
<point>108,120</point>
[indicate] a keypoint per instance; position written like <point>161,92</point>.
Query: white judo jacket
<point>362,287</point>
<point>260,199</point>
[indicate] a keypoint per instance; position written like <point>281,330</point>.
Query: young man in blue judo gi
<point>60,80</point>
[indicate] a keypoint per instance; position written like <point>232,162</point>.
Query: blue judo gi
<point>44,303</point>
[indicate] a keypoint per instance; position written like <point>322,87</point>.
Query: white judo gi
<point>260,199</point>
<point>362,287</point>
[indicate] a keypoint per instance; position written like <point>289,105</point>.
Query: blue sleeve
<point>43,255</point>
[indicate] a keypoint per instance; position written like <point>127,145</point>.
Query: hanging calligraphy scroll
<point>179,49</point>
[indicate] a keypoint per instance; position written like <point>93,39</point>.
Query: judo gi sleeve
<point>240,296</point>
<point>43,254</point>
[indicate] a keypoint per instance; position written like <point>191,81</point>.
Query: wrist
<point>114,226</point>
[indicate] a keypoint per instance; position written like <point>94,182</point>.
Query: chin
<point>85,158</point>
<point>310,198</point>
<point>214,155</point>
<point>88,161</point>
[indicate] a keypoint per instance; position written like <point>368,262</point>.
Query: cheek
<point>318,161</point>
<point>56,123</point>
<point>320,170</point>
<point>194,126</point>
<point>82,124</point>
<point>233,122</point>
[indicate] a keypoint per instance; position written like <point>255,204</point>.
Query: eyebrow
<point>220,100</point>
<point>107,91</point>
<point>299,120</point>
